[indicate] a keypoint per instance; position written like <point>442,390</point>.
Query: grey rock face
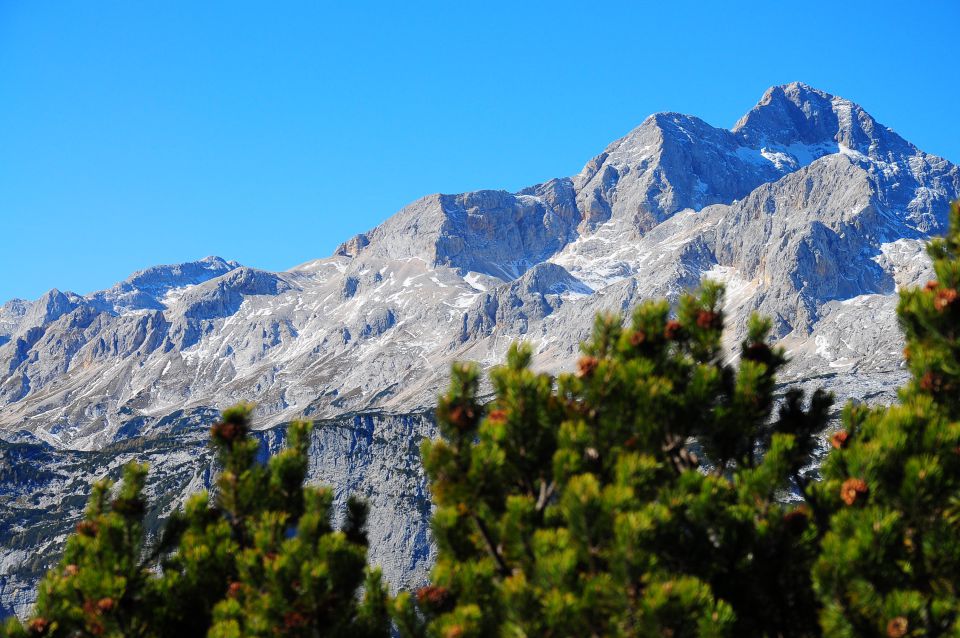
<point>11,316</point>
<point>669,163</point>
<point>808,210</point>
<point>793,207</point>
<point>146,289</point>
<point>524,301</point>
<point>372,455</point>
<point>491,232</point>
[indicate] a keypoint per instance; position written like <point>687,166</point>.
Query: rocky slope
<point>811,211</point>
<point>374,455</point>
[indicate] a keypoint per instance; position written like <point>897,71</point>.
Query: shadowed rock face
<point>669,163</point>
<point>372,455</point>
<point>524,302</point>
<point>808,209</point>
<point>797,114</point>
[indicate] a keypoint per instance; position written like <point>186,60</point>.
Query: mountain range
<point>808,209</point>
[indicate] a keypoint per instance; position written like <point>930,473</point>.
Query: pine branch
<point>491,546</point>
<point>546,493</point>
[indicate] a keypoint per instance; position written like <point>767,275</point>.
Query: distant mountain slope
<point>372,455</point>
<point>808,209</point>
<point>806,203</point>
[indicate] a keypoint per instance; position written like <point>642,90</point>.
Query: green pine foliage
<point>890,564</point>
<point>264,560</point>
<point>578,506</point>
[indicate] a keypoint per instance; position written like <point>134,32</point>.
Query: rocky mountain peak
<point>495,233</point>
<point>353,246</point>
<point>154,288</point>
<point>670,163</point>
<point>52,305</point>
<point>798,115</point>
<point>781,207</point>
<point>808,210</point>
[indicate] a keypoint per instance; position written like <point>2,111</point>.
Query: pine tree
<point>890,564</point>
<point>577,506</point>
<point>264,560</point>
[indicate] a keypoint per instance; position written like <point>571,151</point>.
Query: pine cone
<point>945,298</point>
<point>435,597</point>
<point>709,320</point>
<point>462,417</point>
<point>497,416</point>
<point>672,330</point>
<point>897,627</point>
<point>852,489</point>
<point>839,439</point>
<point>586,366</point>
<point>227,432</point>
<point>931,382</point>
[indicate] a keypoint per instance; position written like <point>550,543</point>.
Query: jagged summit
<point>670,163</point>
<point>806,202</point>
<point>798,114</point>
<point>152,288</point>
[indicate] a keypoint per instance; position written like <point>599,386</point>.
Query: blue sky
<point>138,133</point>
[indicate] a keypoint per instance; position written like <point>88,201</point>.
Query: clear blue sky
<point>138,133</point>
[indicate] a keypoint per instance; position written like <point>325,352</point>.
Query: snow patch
<point>174,294</point>
<point>476,281</point>
<point>823,347</point>
<point>738,289</point>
